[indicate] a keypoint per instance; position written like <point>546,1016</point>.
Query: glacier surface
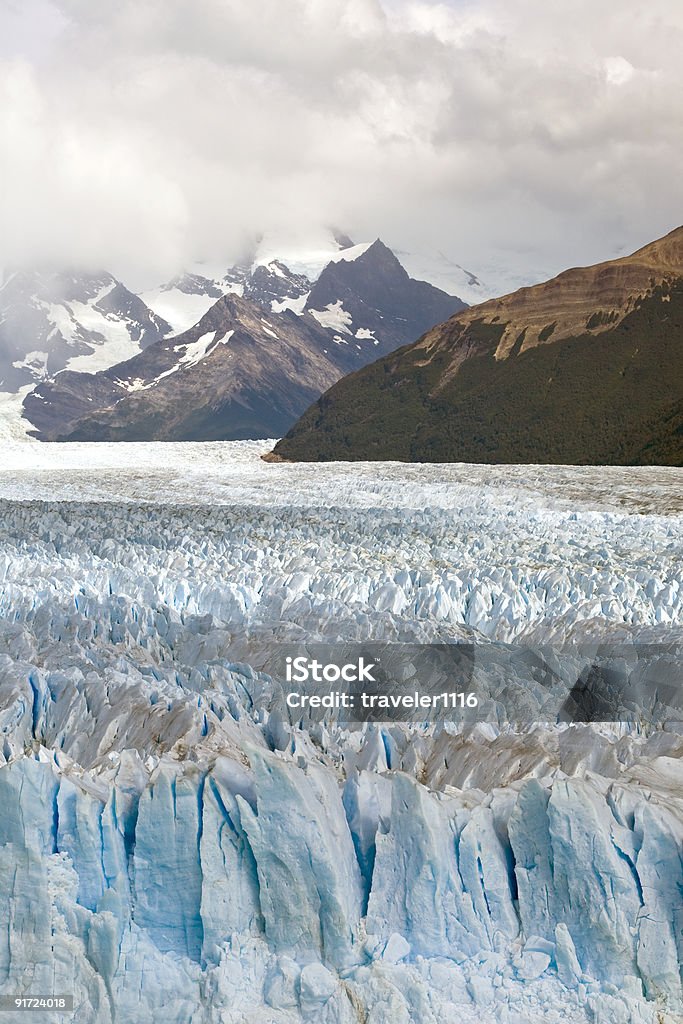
<point>172,847</point>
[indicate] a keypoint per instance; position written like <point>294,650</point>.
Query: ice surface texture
<point>201,890</point>
<point>173,849</point>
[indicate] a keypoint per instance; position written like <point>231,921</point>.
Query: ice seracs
<point>174,844</point>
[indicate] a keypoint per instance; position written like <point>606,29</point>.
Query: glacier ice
<point>173,848</point>
<point>448,889</point>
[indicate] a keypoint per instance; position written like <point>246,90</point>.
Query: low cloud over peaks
<point>147,134</point>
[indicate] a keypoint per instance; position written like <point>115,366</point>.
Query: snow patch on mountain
<point>35,363</point>
<point>296,305</point>
<point>199,349</point>
<point>117,344</point>
<point>192,354</point>
<point>334,316</point>
<point>183,304</point>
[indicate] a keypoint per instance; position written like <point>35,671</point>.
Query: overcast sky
<point>143,134</point>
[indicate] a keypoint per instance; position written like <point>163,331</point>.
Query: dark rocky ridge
<point>273,283</point>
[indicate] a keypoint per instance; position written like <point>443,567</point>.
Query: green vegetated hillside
<point>610,394</point>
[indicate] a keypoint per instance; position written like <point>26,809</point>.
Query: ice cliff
<point>219,890</point>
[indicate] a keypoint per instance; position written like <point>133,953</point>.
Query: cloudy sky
<point>144,134</point>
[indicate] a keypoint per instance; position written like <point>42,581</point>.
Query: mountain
<point>275,275</point>
<point>297,279</point>
<point>185,299</point>
<point>585,368</point>
<point>267,347</point>
<point>372,296</point>
<point>50,321</point>
<point>236,374</point>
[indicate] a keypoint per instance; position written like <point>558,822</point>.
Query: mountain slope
<point>246,371</point>
<point>236,373</point>
<point>585,368</point>
<point>49,321</point>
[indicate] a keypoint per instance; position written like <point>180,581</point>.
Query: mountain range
<point>584,368</point>
<point>209,356</point>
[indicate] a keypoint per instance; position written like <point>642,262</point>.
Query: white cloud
<point>152,132</point>
<point>28,27</point>
<point>618,70</point>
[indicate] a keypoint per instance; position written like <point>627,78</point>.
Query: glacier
<point>173,847</point>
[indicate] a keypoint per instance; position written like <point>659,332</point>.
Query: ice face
<point>173,848</point>
<point>556,903</point>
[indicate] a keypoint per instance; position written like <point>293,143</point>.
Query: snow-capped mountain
<point>370,296</point>
<point>237,373</point>
<point>85,322</point>
<point>276,275</point>
<point>270,342</point>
